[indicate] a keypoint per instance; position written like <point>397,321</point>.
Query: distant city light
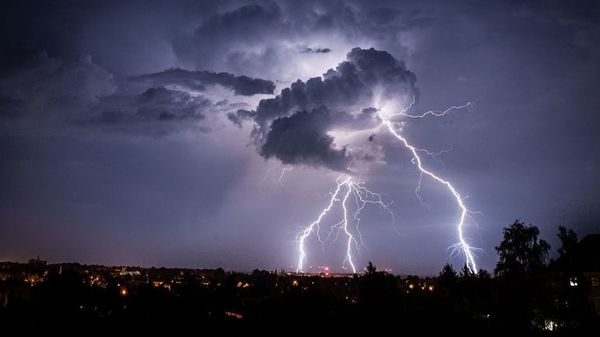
<point>573,282</point>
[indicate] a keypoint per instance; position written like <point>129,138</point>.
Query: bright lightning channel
<point>464,211</point>
<point>283,172</point>
<point>347,189</point>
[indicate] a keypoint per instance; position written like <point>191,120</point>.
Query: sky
<point>209,133</point>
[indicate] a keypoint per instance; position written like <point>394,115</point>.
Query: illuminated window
<point>573,282</point>
<point>550,325</point>
<point>595,281</point>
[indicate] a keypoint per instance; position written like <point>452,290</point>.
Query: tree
<point>466,273</point>
<point>483,274</point>
<point>520,251</point>
<point>448,275</point>
<point>371,269</point>
<point>377,290</point>
<point>568,240</point>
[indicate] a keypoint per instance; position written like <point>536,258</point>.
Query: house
<point>579,269</point>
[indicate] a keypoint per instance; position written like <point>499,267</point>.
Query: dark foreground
<point>528,295</point>
<point>72,299</point>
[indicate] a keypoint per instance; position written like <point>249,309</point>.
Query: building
<point>579,269</point>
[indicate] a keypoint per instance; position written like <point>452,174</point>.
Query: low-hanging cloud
<point>198,80</point>
<point>302,139</point>
<point>315,50</point>
<point>341,98</point>
<point>154,104</point>
<point>288,40</point>
<point>240,116</point>
<point>77,91</point>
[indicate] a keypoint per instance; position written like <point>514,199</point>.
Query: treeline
<point>527,294</point>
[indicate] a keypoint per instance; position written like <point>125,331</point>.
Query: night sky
<point>156,133</point>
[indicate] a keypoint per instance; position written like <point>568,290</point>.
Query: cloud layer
<point>79,92</point>
<point>293,126</point>
<point>198,80</point>
<point>81,180</point>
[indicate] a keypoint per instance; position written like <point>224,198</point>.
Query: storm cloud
<point>78,92</point>
<point>302,139</point>
<point>240,116</point>
<point>342,97</point>
<point>40,84</point>
<point>85,86</point>
<point>267,37</point>
<point>198,80</point>
<point>155,103</point>
<point>316,50</point>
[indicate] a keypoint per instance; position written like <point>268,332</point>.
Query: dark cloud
<point>270,36</point>
<point>198,80</point>
<point>301,139</point>
<point>240,116</point>
<point>348,92</point>
<point>238,40</point>
<point>154,104</point>
<point>316,50</point>
<point>79,92</point>
<point>41,85</point>
<point>246,21</point>
<point>351,86</point>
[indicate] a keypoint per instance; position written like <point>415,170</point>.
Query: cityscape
<point>316,167</point>
<point>559,297</point>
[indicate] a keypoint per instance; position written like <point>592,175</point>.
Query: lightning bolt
<point>283,172</point>
<point>467,250</point>
<point>347,188</point>
<point>441,113</point>
<point>348,258</point>
<point>315,225</point>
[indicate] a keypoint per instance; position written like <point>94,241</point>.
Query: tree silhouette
<point>520,251</point>
<point>448,277</point>
<point>466,273</point>
<point>483,274</point>
<point>448,273</point>
<point>371,269</point>
<point>568,240</point>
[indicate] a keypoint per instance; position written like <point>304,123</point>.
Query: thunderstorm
<point>347,187</point>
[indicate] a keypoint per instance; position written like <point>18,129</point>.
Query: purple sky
<point>134,133</point>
